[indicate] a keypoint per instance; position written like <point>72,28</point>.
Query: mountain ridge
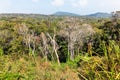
<point>100,15</point>
<point>97,14</point>
<point>60,13</point>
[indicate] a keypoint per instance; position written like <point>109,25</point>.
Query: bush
<point>1,51</point>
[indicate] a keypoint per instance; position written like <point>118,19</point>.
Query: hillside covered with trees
<point>43,47</point>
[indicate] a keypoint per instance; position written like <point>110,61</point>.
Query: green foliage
<point>1,51</point>
<point>103,47</point>
<point>63,50</point>
<point>10,76</point>
<point>114,49</point>
<point>20,35</point>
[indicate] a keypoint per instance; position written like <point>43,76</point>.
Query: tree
<point>54,46</point>
<point>75,33</point>
<point>44,46</point>
<point>28,37</point>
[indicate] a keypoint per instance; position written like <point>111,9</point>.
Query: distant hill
<point>65,14</point>
<point>95,15</point>
<point>100,15</point>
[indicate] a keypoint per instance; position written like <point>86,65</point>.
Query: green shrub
<point>1,51</point>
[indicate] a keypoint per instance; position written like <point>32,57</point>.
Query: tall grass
<point>106,67</point>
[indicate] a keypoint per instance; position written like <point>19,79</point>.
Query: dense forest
<point>42,47</point>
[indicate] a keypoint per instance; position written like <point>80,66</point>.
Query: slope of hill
<point>94,15</point>
<point>100,15</point>
<point>65,14</point>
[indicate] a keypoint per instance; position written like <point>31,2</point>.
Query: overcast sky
<point>81,7</point>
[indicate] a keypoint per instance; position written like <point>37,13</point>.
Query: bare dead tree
<point>54,46</point>
<point>33,42</point>
<point>75,33</point>
<point>44,45</point>
<point>28,37</point>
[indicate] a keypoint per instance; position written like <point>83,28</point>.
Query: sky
<point>81,7</point>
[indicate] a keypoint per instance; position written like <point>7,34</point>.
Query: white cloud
<point>109,5</point>
<point>58,3</point>
<point>35,0</point>
<point>79,3</point>
<point>83,2</point>
<point>4,5</point>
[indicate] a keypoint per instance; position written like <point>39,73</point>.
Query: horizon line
<point>50,13</point>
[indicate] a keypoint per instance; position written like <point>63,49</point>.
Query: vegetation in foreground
<point>59,48</point>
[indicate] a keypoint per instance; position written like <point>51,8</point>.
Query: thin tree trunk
<point>57,57</point>
<point>72,54</point>
<point>55,48</point>
<point>45,45</point>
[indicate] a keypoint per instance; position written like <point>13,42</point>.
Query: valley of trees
<point>39,47</point>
